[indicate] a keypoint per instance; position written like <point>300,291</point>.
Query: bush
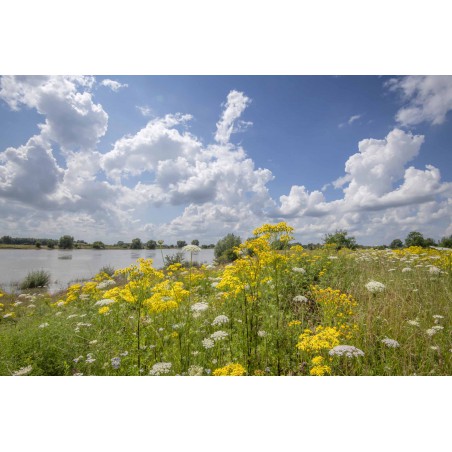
<point>224,249</point>
<point>177,258</point>
<point>39,278</point>
<point>98,245</point>
<point>66,242</point>
<point>340,240</point>
<point>108,269</point>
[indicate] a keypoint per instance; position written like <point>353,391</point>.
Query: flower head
<point>300,299</point>
<point>391,343</point>
<point>299,270</point>
<point>22,371</point>
<point>115,362</point>
<point>219,335</point>
<point>348,350</point>
<point>199,307</point>
<point>375,286</point>
<point>160,369</point>
<point>208,343</point>
<point>220,320</point>
<point>193,249</point>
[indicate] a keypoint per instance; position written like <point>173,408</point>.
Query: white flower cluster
<point>199,307</point>
<point>375,286</point>
<point>262,333</point>
<point>22,371</point>
<point>104,302</point>
<point>43,325</point>
<point>208,343</point>
<point>105,284</point>
<point>300,299</point>
<point>391,343</point>
<point>406,269</point>
<point>299,270</point>
<point>160,368</point>
<point>115,362</point>
<point>219,335</point>
<point>431,332</point>
<point>220,320</point>
<point>434,270</point>
<point>413,322</point>
<point>191,249</point>
<point>348,350</point>
<point>195,371</point>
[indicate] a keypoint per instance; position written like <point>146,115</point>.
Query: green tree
<point>195,242</point>
<point>414,238</point>
<point>181,243</point>
<point>66,242</point>
<point>38,244</point>
<point>340,239</point>
<point>446,242</point>
<point>429,242</point>
<point>224,249</point>
<point>98,245</point>
<point>396,243</point>
<point>136,244</point>
<point>151,244</point>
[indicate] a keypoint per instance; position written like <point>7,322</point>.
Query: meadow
<point>270,312</point>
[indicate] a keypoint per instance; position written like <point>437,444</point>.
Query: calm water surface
<point>67,266</point>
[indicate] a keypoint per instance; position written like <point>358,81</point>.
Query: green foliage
<point>151,244</point>
<point>98,245</point>
<point>177,258</point>
<point>446,242</point>
<point>108,269</point>
<point>181,243</point>
<point>38,278</point>
<point>195,242</point>
<point>66,242</point>
<point>414,238</point>
<point>38,244</point>
<point>396,243</point>
<point>340,239</point>
<point>224,249</point>
<point>136,244</point>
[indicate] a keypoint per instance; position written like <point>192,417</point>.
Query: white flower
<point>406,269</point>
<point>300,299</point>
<point>392,270</point>
<point>160,368</point>
<point>195,353</point>
<point>220,320</point>
<point>195,371</point>
<point>437,328</point>
<point>434,347</point>
<point>115,362</point>
<point>332,257</point>
<point>437,316</point>
<point>391,343</point>
<point>76,360</point>
<point>31,306</point>
<point>107,283</point>
<point>79,324</point>
<point>17,303</point>
<point>431,332</point>
<point>434,270</point>
<point>262,333</point>
<point>199,307</point>
<point>93,342</point>
<point>10,314</point>
<point>124,353</point>
<point>191,249</point>
<point>208,343</point>
<point>219,335</point>
<point>89,358</point>
<point>22,371</point>
<point>72,316</point>
<point>375,286</point>
<point>58,313</point>
<point>413,322</point>
<point>299,270</point>
<point>104,302</point>
<point>347,350</point>
<point>214,284</point>
<point>43,325</point>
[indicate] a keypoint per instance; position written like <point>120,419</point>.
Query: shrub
<point>177,258</point>
<point>98,245</point>
<point>39,278</point>
<point>224,249</point>
<point>108,269</point>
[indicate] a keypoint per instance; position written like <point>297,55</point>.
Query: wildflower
<point>413,322</point>
<point>9,315</point>
<point>22,371</point>
<point>431,332</point>
<point>57,314</point>
<point>347,350</point>
<point>115,362</point>
<point>72,316</point>
<point>214,284</point>
<point>262,333</point>
<point>76,360</point>
<point>124,353</point>
<point>43,325</point>
<point>208,343</point>
<point>160,368</point>
<point>104,310</point>
<point>220,320</point>
<point>299,270</point>
<point>105,284</point>
<point>199,307</point>
<point>434,347</point>
<point>219,335</point>
<point>104,302</point>
<point>195,371</point>
<point>391,343</point>
<point>437,316</point>
<point>319,369</point>
<point>434,270</point>
<point>233,370</point>
<point>300,299</point>
<point>193,249</point>
<point>93,342</point>
<point>78,374</point>
<point>31,306</point>
<point>323,338</point>
<point>406,269</point>
<point>437,328</point>
<point>294,323</point>
<point>375,286</point>
<point>177,326</point>
<point>17,303</point>
<point>89,358</point>
<point>332,257</point>
<point>195,353</point>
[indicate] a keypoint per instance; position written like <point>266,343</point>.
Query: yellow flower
<point>294,323</point>
<point>104,309</point>
<point>317,361</point>
<point>232,370</point>
<point>323,338</point>
<point>174,334</point>
<point>319,371</point>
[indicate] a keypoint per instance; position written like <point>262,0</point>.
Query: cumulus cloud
<point>73,120</point>
<point>235,105</point>
<point>113,84</point>
<point>428,97</point>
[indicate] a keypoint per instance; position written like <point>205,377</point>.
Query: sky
<point>172,158</point>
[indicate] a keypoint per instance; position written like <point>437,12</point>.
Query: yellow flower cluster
<point>323,338</point>
<point>73,293</point>
<point>232,370</point>
<point>281,231</point>
<point>104,310</point>
<point>166,297</point>
<point>319,368</point>
<point>441,258</point>
<point>294,323</point>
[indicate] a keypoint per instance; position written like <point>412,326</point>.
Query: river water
<point>68,266</point>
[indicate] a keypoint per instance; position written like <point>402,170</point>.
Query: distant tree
<point>66,242</point>
<point>38,244</point>
<point>340,239</point>
<point>51,244</point>
<point>136,244</point>
<point>151,244</point>
<point>98,245</point>
<point>195,242</point>
<point>224,249</point>
<point>429,242</point>
<point>414,238</point>
<point>446,242</point>
<point>7,240</point>
<point>396,243</point>
<point>181,243</point>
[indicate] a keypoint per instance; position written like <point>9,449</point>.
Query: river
<point>67,266</point>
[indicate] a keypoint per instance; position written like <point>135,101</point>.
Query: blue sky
<point>182,157</point>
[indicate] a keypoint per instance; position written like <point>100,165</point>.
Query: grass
<point>269,313</point>
<point>35,279</point>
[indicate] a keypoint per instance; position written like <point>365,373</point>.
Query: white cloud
<point>113,84</point>
<point>428,97</point>
<point>350,121</point>
<point>235,105</point>
<point>72,119</point>
<point>145,110</point>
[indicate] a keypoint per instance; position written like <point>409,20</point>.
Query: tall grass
<point>35,279</point>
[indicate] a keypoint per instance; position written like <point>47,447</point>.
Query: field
<point>289,312</point>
